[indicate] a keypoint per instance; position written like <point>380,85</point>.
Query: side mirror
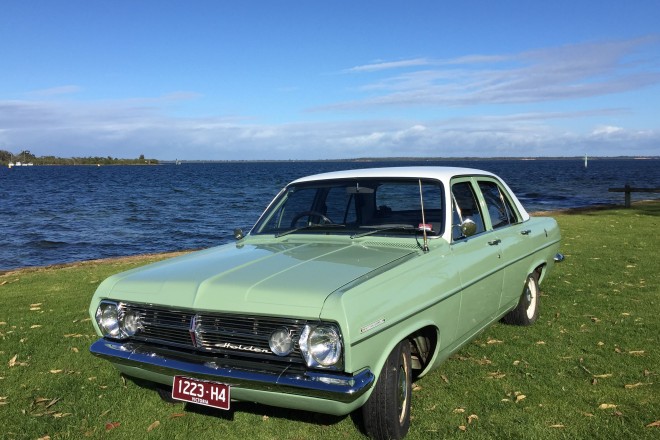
<point>468,227</point>
<point>238,234</point>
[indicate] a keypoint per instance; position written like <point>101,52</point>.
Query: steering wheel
<point>309,213</point>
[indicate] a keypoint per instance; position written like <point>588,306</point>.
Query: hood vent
<point>389,244</point>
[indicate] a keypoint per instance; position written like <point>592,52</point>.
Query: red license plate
<point>201,392</point>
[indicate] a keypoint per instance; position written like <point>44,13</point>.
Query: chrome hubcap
<point>403,389</point>
<point>530,298</point>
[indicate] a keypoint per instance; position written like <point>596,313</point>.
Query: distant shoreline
<point>27,160</point>
<point>411,159</point>
<point>155,162</point>
<point>89,165</point>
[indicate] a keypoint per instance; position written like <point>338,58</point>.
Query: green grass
<point>589,367</point>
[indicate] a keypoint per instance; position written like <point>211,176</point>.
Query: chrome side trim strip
<point>323,385</point>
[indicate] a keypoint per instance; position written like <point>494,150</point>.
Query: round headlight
<point>130,323</point>
<point>107,318</point>
<point>280,342</point>
<point>321,345</point>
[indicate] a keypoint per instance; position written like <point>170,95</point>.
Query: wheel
<point>386,415</point>
<point>527,310</point>
<point>309,213</point>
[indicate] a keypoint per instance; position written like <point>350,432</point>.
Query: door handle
<point>495,242</point>
<point>526,232</point>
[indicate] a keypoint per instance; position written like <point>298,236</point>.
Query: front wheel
<point>386,414</point>
<point>527,310</point>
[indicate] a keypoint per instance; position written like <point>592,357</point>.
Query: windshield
<point>355,207</point>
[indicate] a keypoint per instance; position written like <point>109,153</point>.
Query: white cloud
<point>125,129</point>
<point>476,59</point>
<point>606,130</point>
<point>389,65</point>
<point>551,74</point>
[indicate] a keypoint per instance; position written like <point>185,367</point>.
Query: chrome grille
<point>165,326</point>
<point>217,333</point>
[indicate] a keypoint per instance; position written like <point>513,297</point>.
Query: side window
<point>499,208</point>
<point>464,207</point>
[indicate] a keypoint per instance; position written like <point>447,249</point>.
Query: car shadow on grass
<point>245,407</point>
<point>265,411</point>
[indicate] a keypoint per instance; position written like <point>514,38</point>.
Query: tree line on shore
<point>6,157</point>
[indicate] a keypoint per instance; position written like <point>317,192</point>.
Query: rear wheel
<point>386,415</point>
<point>527,310</point>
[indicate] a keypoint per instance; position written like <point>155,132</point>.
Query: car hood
<point>281,278</point>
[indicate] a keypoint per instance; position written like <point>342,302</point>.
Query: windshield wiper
<point>383,229</point>
<point>304,228</point>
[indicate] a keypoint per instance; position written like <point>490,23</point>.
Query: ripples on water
<point>51,215</point>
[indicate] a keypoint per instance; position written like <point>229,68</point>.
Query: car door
<point>515,237</point>
<point>479,258</point>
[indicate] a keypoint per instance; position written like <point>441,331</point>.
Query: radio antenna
<point>425,248</point>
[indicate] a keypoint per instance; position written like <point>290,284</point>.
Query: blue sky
<point>329,79</point>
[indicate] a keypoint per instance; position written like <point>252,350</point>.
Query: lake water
<point>59,214</point>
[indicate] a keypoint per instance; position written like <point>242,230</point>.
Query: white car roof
<point>431,172</point>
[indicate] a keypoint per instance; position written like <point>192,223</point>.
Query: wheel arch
<point>540,270</point>
<point>424,341</point>
<point>424,346</point>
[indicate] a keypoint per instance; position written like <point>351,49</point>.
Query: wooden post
<point>628,190</point>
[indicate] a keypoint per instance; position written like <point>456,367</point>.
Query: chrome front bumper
<point>323,385</point>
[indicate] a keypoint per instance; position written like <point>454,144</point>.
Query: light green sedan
<point>350,285</point>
